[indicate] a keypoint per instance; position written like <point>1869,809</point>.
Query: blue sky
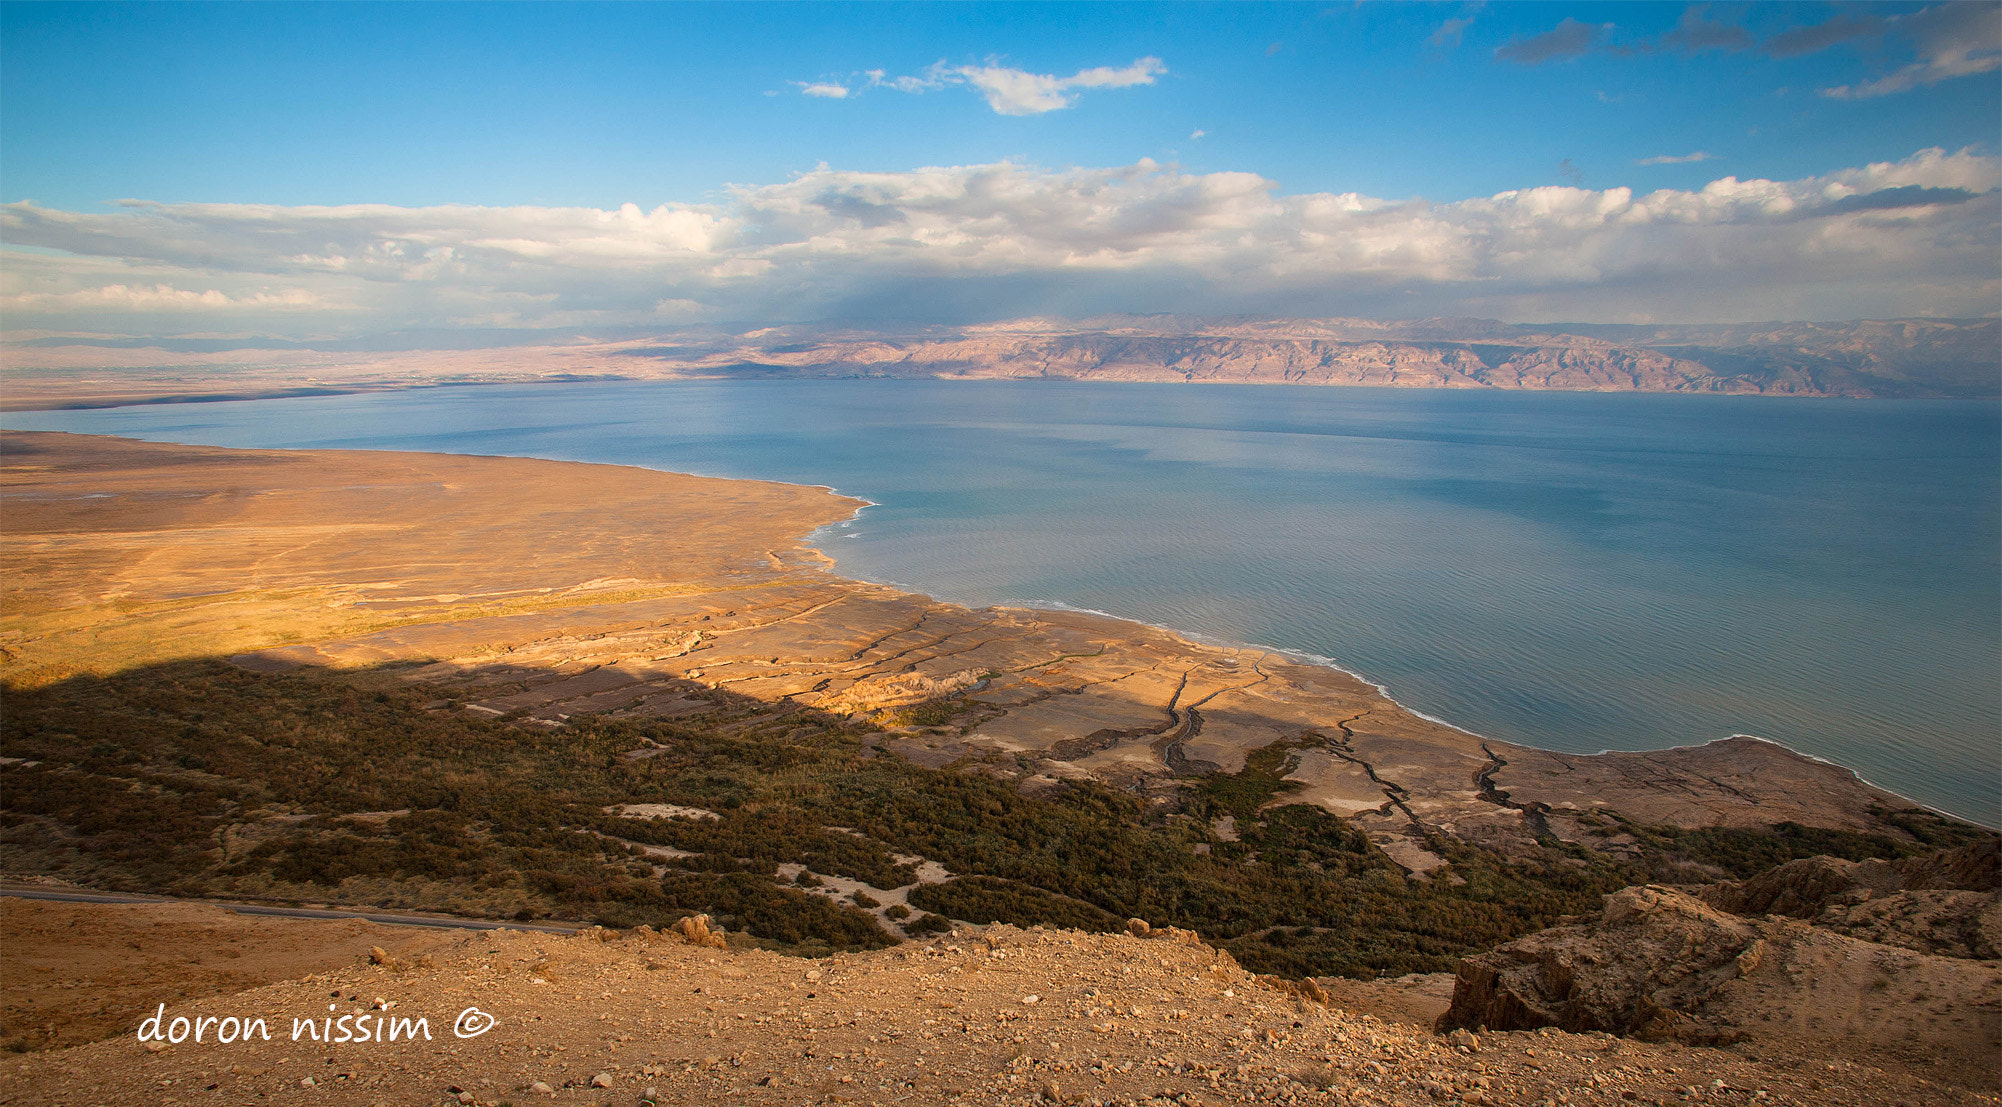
<point>694,106</point>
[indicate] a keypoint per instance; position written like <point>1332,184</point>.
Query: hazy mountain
<point>1901,357</point>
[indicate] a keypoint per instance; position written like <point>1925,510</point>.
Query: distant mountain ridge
<point>1902,358</point>
<point>1888,358</point>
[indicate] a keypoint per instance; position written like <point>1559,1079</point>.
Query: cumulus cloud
<point>1568,40</point>
<point>1954,40</point>
<point>1676,159</point>
<point>992,241</point>
<point>826,90</point>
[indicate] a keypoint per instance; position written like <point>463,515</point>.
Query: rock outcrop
<point>1947,903</point>
<point>1663,963</point>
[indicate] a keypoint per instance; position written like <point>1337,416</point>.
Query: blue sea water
<point>1572,571</point>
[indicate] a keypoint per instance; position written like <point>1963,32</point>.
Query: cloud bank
<point>1912,237</point>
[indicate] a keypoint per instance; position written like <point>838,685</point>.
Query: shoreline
<point>1321,660</point>
<point>166,398</point>
<point>1067,694</point>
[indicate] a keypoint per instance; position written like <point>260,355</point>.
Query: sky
<point>317,171</point>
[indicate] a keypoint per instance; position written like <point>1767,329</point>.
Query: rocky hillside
<point>978,1017</point>
<point>1906,357</point>
<point>1880,959</point>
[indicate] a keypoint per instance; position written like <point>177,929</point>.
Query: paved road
<point>390,918</point>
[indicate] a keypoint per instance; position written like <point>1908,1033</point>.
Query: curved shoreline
<point>591,588</point>
<point>1555,651</point>
<point>1324,661</point>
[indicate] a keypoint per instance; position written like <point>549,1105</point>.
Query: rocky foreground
<point>1884,960</point>
<point>988,1016</point>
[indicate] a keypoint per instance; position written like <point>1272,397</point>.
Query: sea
<point>1571,571</point>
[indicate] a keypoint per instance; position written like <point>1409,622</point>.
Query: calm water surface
<point>1572,571</point>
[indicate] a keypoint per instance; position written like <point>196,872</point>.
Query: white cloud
<point>1008,91</point>
<point>936,76</point>
<point>1197,133</point>
<point>1676,159</point>
<point>1019,92</point>
<point>992,241</point>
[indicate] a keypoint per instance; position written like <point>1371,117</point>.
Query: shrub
<point>927,924</point>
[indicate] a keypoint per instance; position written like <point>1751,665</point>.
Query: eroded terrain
<point>555,591</point>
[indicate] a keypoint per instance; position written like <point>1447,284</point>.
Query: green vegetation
<point>986,899</point>
<point>926,924</point>
<point>929,713</point>
<point>1746,852</point>
<point>198,778</point>
<point>1241,794</point>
